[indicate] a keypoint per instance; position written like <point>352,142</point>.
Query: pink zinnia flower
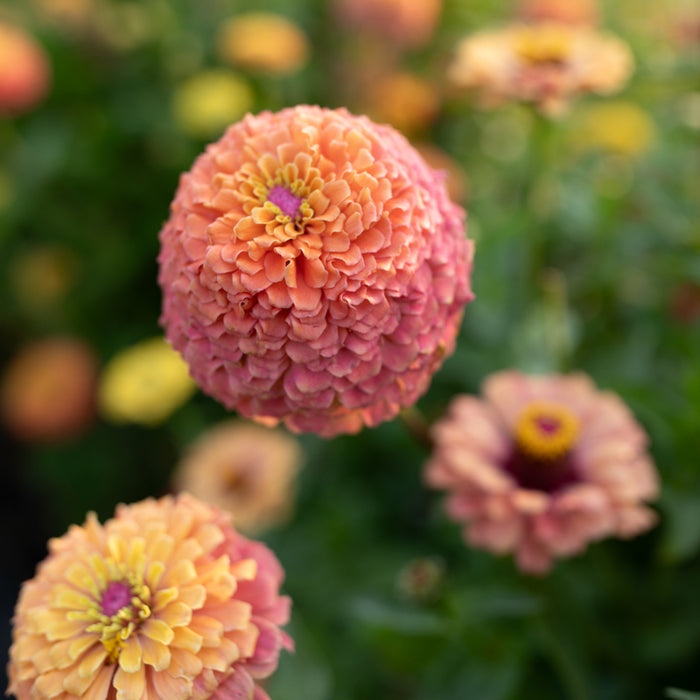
<point>25,72</point>
<point>541,466</point>
<point>314,270</point>
<point>403,22</point>
<point>164,601</point>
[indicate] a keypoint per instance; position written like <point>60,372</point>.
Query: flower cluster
<point>541,466</point>
<point>165,600</point>
<point>314,270</point>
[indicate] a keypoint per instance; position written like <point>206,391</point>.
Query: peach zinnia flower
<point>314,270</point>
<point>165,600</point>
<point>24,71</point>
<point>245,469</point>
<point>47,391</point>
<point>546,64</point>
<point>410,23</point>
<point>542,466</point>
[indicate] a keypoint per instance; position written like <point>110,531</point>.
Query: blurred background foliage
<point>587,258</point>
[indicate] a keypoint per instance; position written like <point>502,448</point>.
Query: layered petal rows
<point>165,600</point>
<point>314,270</point>
<point>541,466</point>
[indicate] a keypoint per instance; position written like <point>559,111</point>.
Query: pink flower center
<point>116,596</point>
<point>548,424</point>
<point>287,202</point>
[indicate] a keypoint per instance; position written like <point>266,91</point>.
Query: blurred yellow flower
<point>144,384</point>
<point>620,127</point>
<point>263,41</point>
<point>406,101</point>
<point>245,469</point>
<point>209,101</point>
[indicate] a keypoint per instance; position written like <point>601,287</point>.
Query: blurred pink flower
<point>545,63</point>
<point>541,466</point>
<point>575,12</point>
<point>314,270</point>
<point>409,23</point>
<point>165,600</point>
<point>25,71</point>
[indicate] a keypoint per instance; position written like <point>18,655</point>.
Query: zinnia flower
<point>24,71</point>
<point>144,384</point>
<point>165,601</point>
<point>619,127</point>
<point>406,101</point>
<point>541,466</point>
<point>209,101</point>
<point>263,42</point>
<point>313,270</point>
<point>245,469</point>
<point>545,63</point>
<point>575,12</point>
<point>47,391</point>
<point>410,23</point>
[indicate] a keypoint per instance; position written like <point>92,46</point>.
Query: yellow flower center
<point>546,430</point>
<point>540,45</point>
<point>122,603</point>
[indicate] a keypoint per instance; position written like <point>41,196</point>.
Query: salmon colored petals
<point>165,600</point>
<point>314,270</point>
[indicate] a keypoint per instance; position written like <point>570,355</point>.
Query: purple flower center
<point>116,596</point>
<point>548,424</point>
<point>287,202</point>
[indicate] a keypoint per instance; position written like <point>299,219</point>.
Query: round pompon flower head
<point>314,270</point>
<point>164,601</point>
<point>541,466</point>
<point>545,63</point>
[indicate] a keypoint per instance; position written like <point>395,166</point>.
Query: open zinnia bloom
<point>165,601</point>
<point>541,466</point>
<point>245,469</point>
<point>314,270</point>
<point>545,63</point>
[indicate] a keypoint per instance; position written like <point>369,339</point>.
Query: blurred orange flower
<point>245,469</point>
<point>47,390</point>
<point>409,23</point>
<point>580,12</point>
<point>263,42</point>
<point>405,100</point>
<point>25,72</point>
<point>547,64</point>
